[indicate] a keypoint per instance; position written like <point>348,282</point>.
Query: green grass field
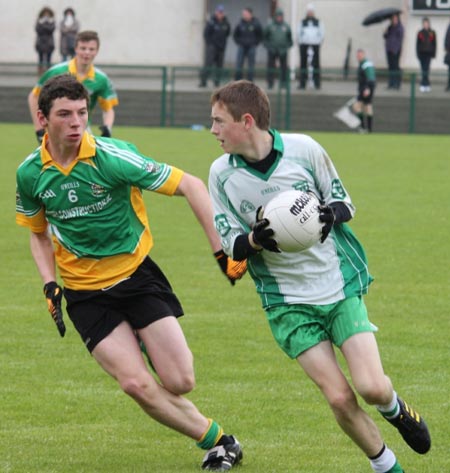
<point>60,413</point>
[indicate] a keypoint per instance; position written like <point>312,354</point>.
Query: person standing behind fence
<point>393,39</point>
<point>426,51</point>
<point>247,35</point>
<point>310,37</point>
<point>68,28</point>
<point>45,43</point>
<point>277,37</point>
<point>447,55</point>
<point>215,34</point>
<point>366,87</point>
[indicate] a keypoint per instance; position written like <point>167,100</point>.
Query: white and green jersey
<point>323,274</point>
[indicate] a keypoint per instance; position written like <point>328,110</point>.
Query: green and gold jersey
<point>94,208</point>
<point>95,81</point>
<point>322,274</point>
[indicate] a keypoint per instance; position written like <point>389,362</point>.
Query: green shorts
<point>299,327</point>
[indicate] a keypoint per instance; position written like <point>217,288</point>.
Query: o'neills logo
<point>300,203</point>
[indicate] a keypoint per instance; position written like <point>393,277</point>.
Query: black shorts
<point>366,100</point>
<point>143,298</point>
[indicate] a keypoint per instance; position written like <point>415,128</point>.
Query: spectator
<point>96,82</point>
<point>310,37</point>
<point>45,43</point>
<point>366,87</point>
<point>447,55</point>
<point>277,37</point>
<point>426,50</point>
<point>216,34</point>
<point>247,35</point>
<point>69,28</point>
<point>393,37</point>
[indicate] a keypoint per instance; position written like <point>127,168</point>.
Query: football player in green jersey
<point>363,107</point>
<point>94,80</point>
<point>313,299</point>
<point>81,198</point>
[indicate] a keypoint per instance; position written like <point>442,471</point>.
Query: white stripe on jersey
<point>120,153</point>
<point>135,160</point>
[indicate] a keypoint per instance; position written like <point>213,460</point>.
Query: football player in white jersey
<point>313,299</point>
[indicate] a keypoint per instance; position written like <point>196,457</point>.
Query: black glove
<point>106,132</point>
<point>326,215</point>
<point>262,233</point>
<point>232,269</point>
<point>53,294</point>
<point>40,135</point>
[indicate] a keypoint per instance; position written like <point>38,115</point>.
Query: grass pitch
<point>61,413</point>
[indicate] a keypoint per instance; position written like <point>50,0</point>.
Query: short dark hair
<point>87,35</point>
<point>242,97</point>
<point>57,87</point>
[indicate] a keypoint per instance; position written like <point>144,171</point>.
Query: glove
<point>40,135</point>
<point>262,233</point>
<point>106,132</point>
<point>232,269</point>
<point>53,294</point>
<point>326,215</point>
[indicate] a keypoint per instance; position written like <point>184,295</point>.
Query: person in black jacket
<point>45,43</point>
<point>247,35</point>
<point>216,34</point>
<point>426,50</point>
<point>447,55</point>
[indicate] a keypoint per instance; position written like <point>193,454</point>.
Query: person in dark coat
<point>447,55</point>
<point>216,34</point>
<point>45,43</point>
<point>426,51</point>
<point>247,35</point>
<point>393,39</point>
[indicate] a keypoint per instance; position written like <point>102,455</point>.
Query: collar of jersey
<point>73,70</point>
<point>238,161</point>
<point>87,149</point>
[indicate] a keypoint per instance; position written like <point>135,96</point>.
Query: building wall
<point>155,32</point>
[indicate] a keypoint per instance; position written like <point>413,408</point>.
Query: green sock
<point>212,435</point>
<point>361,119</point>
<point>391,410</point>
<point>396,468</point>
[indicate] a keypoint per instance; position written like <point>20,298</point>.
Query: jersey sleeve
<point>53,71</point>
<point>107,98</point>
<point>226,220</point>
<point>29,211</point>
<point>126,165</point>
<point>328,182</point>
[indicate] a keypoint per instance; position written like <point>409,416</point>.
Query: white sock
<point>384,461</point>
<point>391,410</point>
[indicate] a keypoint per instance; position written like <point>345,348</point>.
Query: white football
<point>294,217</point>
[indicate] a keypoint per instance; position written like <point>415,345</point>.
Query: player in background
<point>81,198</point>
<point>98,84</point>
<point>366,87</point>
<point>312,299</point>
